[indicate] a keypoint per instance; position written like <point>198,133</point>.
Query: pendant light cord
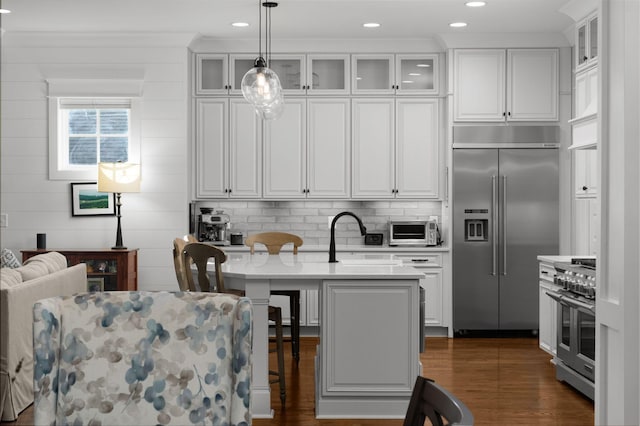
<point>259,28</point>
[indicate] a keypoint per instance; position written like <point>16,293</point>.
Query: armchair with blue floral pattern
<point>143,358</point>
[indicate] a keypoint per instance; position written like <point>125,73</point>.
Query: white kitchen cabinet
<point>228,155</point>
<point>586,224</point>
<point>211,74</point>
<point>285,152</point>
<point>585,172</point>
<point>307,150</point>
<point>586,93</point>
<point>586,48</point>
<point>328,148</point>
<point>431,265</point>
<point>313,308</point>
<point>327,74</point>
<point>548,313</point>
<point>380,74</point>
<point>497,85</point>
<point>404,135</point>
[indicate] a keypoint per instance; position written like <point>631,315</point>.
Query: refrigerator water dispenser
<point>476,229</point>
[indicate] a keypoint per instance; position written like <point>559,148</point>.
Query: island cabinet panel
<point>370,344</point>
<point>107,269</point>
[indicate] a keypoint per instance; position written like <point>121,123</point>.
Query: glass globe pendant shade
<point>273,111</point>
<point>261,85</point>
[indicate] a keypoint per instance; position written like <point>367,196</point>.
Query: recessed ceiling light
<point>458,24</point>
<point>239,24</point>
<point>371,25</point>
<point>5,11</point>
<point>475,3</point>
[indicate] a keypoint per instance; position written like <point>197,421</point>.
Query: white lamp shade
<point>261,86</point>
<point>118,177</point>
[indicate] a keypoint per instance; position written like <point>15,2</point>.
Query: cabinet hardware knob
<point>504,114</point>
<point>584,188</point>
<point>585,58</point>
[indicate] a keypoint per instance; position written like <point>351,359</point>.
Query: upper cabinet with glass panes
<point>395,74</point>
<point>587,42</point>
<point>322,74</point>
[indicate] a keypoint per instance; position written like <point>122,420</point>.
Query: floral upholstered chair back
<point>143,358</point>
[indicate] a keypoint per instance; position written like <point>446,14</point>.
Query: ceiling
<point>292,19</point>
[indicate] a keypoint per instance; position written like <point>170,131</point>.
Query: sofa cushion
<point>52,260</point>
<point>9,277</point>
<point>33,270</point>
<point>8,259</point>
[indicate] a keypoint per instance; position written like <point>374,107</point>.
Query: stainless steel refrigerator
<point>505,214</point>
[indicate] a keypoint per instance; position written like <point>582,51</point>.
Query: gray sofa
<point>42,276</point>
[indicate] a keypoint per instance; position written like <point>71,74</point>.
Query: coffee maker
<point>213,227</point>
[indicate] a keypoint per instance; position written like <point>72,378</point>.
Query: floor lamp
<point>118,178</point>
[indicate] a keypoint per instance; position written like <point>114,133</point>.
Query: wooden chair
<point>432,401</point>
<point>199,254</point>
<point>274,242</point>
<point>178,246</point>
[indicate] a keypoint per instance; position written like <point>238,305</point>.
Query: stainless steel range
<point>576,350</point>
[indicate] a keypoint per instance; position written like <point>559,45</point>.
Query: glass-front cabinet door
<point>327,74</point>
<point>587,42</point>
<point>290,71</point>
<point>373,74</point>
<point>238,67</point>
<point>211,74</point>
<point>416,74</point>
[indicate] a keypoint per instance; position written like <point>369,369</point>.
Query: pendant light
<point>261,85</point>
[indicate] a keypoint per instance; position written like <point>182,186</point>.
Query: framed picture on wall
<point>87,201</point>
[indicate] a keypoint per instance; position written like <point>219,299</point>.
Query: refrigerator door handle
<point>504,225</point>
<point>494,233</point>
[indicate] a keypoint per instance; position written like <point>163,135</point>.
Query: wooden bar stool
<point>274,242</point>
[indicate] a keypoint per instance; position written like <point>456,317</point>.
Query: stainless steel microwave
<point>413,233</point>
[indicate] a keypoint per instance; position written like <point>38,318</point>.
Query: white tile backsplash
<point>308,219</point>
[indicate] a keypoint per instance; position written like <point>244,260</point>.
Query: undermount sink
<point>369,262</point>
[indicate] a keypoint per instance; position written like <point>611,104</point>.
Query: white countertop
<point>316,266</point>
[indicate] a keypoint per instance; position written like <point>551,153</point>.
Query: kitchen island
<point>368,356</point>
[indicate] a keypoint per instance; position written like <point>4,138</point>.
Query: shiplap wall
<point>151,218</point>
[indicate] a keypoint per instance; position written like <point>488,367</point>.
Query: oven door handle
<point>572,303</point>
<point>558,298</point>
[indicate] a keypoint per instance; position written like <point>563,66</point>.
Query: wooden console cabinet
<point>107,269</point>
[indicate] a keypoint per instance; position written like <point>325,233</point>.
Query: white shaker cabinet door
<point>373,148</point>
<point>329,130</point>
<point>245,155</point>
<point>432,284</point>
<point>285,153</point>
<point>479,84</point>
<point>532,85</point>
<point>211,134</point>
<point>417,153</point>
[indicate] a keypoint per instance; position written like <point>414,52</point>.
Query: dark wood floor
<point>504,381</point>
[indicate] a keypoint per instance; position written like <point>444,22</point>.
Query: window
<point>89,131</point>
<point>92,120</point>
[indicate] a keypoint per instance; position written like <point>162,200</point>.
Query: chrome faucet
<point>332,244</point>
